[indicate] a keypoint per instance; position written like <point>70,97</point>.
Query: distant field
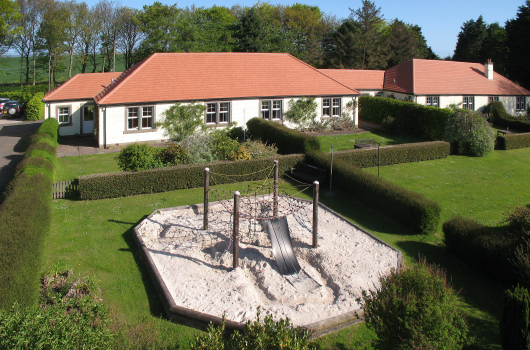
<point>10,71</point>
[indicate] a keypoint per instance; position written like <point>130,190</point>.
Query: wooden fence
<point>65,189</point>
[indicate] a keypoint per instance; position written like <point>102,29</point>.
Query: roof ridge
<point>112,87</point>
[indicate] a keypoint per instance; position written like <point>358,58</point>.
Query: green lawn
<point>95,238</point>
<point>347,141</point>
<point>70,168</point>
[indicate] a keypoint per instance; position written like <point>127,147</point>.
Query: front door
<point>89,113</point>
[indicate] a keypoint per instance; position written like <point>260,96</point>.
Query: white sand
<point>196,265</point>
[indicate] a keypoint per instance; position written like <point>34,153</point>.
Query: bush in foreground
<point>416,308</point>
<point>514,323</point>
<point>256,335</point>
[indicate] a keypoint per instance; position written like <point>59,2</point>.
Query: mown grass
<point>347,141</point>
<point>70,168</point>
<point>95,237</point>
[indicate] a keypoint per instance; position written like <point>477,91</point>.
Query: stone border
<point>173,311</point>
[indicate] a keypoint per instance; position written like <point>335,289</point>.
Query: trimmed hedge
<point>22,96</point>
<point>35,107</point>
<point>512,141</point>
<point>502,118</point>
<point>410,209</point>
<point>25,219</point>
<point>514,324</point>
<point>287,140</point>
<point>120,184</point>
<point>406,153</point>
<point>486,249</point>
<point>409,118</point>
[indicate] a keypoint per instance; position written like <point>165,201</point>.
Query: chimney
<point>488,69</point>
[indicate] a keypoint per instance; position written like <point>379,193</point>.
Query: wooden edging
<point>173,311</point>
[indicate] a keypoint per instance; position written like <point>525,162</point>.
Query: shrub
<point>415,308</point>
<point>512,141</point>
<point>181,121</point>
<point>301,112</point>
<point>224,147</point>
<point>485,249</point>
<point>405,117</point>
<point>258,149</point>
<point>502,118</point>
<point>120,184</point>
<point>521,262</point>
<point>287,140</point>
<point>514,322</point>
<point>35,107</point>
<point>411,209</point>
<point>519,220</point>
<point>472,133</point>
<point>269,335</point>
<point>138,157</point>
<point>70,316</point>
<point>200,148</point>
<point>174,154</point>
<point>406,153</point>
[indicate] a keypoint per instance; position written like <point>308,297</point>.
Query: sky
<point>440,20</point>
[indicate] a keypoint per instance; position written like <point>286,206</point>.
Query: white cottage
<point>234,87</point>
<point>439,83</point>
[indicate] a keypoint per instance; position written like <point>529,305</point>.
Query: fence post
<point>206,197</point>
<point>275,195</point>
<point>316,188</point>
<point>235,232</point>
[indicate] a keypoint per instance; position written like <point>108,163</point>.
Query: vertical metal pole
<point>235,231</point>
<point>331,170</point>
<point>206,197</point>
<point>275,194</point>
<point>378,159</point>
<point>316,187</point>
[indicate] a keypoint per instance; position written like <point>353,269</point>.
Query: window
<point>433,101</point>
<point>468,103</point>
<point>271,109</point>
<point>63,115</point>
<point>493,99</point>
<point>520,103</point>
<point>331,107</point>
<point>140,118</point>
<point>88,113</point>
<point>217,113</point>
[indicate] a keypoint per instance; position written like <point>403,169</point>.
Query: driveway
<point>13,136</point>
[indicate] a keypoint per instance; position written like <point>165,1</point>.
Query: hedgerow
<point>406,153</point>
<point>120,184</point>
<point>502,118</point>
<point>512,141</point>
<point>35,107</point>
<point>287,140</point>
<point>405,117</point>
<point>25,218</point>
<point>514,322</point>
<point>411,209</point>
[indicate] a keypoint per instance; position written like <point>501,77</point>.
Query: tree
<point>471,132</point>
<point>75,14</point>
<point>158,25</point>
<point>52,31</point>
<point>494,47</point>
<point>89,39</point>
<point>518,43</point>
<point>9,17</point>
<point>405,42</point>
<point>181,121</point>
<point>415,308</point>
<point>214,26</point>
<point>107,12</point>
<point>470,41</point>
<point>128,33</point>
<point>341,48</point>
<point>251,33</point>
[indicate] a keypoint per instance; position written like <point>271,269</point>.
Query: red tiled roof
<point>81,86</point>
<point>435,77</point>
<point>208,76</point>
<point>358,79</point>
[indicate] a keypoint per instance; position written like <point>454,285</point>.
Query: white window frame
<point>433,101</point>
<point>216,114</point>
<point>142,114</point>
<point>493,99</point>
<point>61,114</point>
<point>468,102</point>
<point>331,107</point>
<point>520,103</point>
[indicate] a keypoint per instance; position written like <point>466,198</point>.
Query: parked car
<point>2,101</point>
<point>12,109</point>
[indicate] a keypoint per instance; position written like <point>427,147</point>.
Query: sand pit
<point>194,267</point>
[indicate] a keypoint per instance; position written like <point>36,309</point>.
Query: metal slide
<point>282,247</point>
